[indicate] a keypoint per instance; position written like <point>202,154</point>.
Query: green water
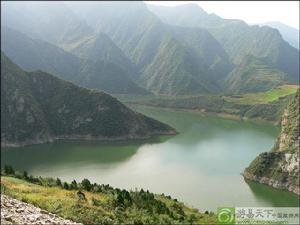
<point>201,166</point>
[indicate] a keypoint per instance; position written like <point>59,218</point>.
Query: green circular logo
<point>226,215</point>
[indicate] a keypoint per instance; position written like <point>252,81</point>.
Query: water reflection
<point>270,195</point>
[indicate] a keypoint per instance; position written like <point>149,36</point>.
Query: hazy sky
<point>251,12</point>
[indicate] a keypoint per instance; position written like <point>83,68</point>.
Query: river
<point>200,166</point>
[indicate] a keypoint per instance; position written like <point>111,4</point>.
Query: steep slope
<point>34,54</point>
<point>290,34</point>
<point>254,75</point>
<point>36,107</point>
<point>147,41</point>
<point>280,167</point>
<point>237,38</point>
<point>101,47</point>
<point>109,77</point>
<point>22,120</point>
<point>49,21</point>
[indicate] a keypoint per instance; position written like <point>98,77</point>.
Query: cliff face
<point>279,168</point>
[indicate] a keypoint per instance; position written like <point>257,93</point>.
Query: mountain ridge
<point>34,54</point>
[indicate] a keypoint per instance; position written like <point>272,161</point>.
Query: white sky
<point>251,12</point>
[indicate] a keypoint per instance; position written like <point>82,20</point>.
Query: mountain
<point>290,34</point>
<point>109,77</point>
<point>49,21</point>
<point>36,107</point>
<point>254,75</point>
<point>280,167</point>
<point>237,38</point>
<point>101,47</point>
<point>166,55</point>
<point>34,54</point>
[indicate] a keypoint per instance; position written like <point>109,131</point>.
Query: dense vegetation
<point>38,107</point>
<point>92,203</point>
<point>282,163</point>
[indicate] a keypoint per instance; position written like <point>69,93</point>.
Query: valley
<point>140,113</point>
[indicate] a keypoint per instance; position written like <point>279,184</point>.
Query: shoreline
<point>203,112</point>
<point>271,183</point>
<point>87,138</point>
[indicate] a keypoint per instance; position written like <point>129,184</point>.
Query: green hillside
<point>100,204</point>
<point>36,107</point>
<point>254,75</point>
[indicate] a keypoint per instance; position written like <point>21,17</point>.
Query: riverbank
<point>5,144</point>
<point>272,183</point>
<point>203,112</point>
<point>264,106</point>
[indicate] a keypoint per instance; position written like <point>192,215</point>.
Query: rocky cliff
<point>279,168</point>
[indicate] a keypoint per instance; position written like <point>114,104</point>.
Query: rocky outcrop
<point>279,168</point>
<point>17,212</point>
<point>273,183</point>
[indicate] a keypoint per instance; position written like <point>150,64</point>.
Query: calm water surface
<point>201,166</point>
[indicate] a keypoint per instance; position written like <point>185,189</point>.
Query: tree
<point>86,184</point>
<point>74,185</point>
<point>58,182</point>
<point>66,185</point>
<point>120,199</point>
<point>9,170</point>
<point>25,175</point>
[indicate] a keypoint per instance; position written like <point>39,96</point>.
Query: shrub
<point>81,195</point>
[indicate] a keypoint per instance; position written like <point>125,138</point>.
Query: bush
<point>81,196</point>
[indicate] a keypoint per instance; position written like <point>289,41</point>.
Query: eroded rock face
<point>17,212</point>
<point>279,168</point>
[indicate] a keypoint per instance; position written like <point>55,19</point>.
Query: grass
<point>263,97</point>
<point>67,204</point>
